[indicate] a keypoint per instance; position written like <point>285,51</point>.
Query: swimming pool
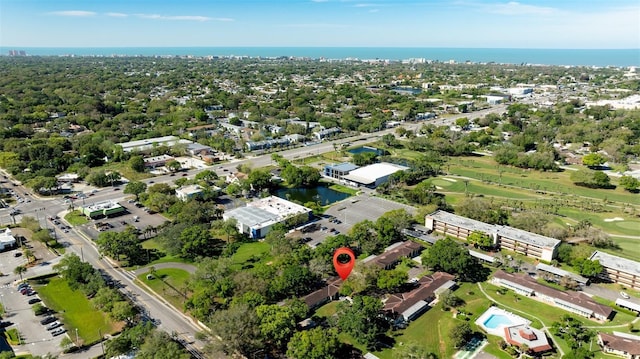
<point>496,321</point>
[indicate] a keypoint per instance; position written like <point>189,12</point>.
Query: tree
<point>160,345</point>
<point>122,310</point>
<point>20,270</point>
<point>116,244</point>
<point>277,323</point>
<point>451,300</point>
<point>460,334</point>
<point>316,343</point>
<point>173,165</point>
<point>589,178</point>
<point>480,239</point>
<point>593,160</point>
<point>413,350</point>
<point>629,183</point>
<point>449,256</point>
<point>587,267</point>
<point>391,280</point>
<point>137,163</point>
<point>361,319</point>
<point>238,329</point>
<point>135,188</point>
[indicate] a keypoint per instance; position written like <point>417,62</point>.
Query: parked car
<point>34,300</point>
<point>48,320</point>
<point>23,285</point>
<point>31,292</point>
<point>625,295</point>
<point>54,325</point>
<point>58,331</point>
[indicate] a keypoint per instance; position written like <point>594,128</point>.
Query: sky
<point>548,24</point>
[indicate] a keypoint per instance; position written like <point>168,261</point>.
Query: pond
<point>324,195</point>
<point>364,149</point>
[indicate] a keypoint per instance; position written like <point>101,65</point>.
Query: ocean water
<point>567,57</point>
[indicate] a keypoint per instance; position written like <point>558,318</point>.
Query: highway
<point>169,318</point>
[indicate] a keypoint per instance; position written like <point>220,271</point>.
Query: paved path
<point>184,266</point>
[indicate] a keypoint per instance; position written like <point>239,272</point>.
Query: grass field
<point>250,252</point>
<point>75,310</point>
<point>153,246</point>
<point>344,189</point>
<point>76,218</point>
<point>170,283</point>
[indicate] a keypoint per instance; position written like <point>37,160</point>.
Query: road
<point>172,320</point>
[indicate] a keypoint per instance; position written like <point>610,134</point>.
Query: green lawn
<point>75,311</point>
<point>344,189</point>
<point>170,283</point>
<point>250,252</point>
<point>154,247</point>
<point>76,218</point>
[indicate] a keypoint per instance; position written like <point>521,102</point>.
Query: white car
<point>625,295</point>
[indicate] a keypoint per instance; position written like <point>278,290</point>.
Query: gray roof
<point>527,237</point>
<point>464,222</point>
<point>561,272</point>
<point>484,257</point>
<point>252,216</point>
<point>343,167</point>
<point>618,263</point>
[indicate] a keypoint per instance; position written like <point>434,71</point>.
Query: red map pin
<point>343,261</point>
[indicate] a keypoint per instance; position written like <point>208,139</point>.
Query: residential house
<point>394,253</point>
<point>575,302</point>
<point>185,193</point>
<point>407,306</point>
<point>322,134</point>
<point>534,339</point>
<point>325,294</point>
<point>620,344</point>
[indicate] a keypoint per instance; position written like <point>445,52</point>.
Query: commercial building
<point>372,176</point>
<point>259,216</point>
<point>618,270</point>
<point>322,134</point>
<point>571,301</point>
<point>513,239</point>
<point>157,161</point>
<point>144,145</point>
<point>339,170</point>
<point>7,240</point>
<point>185,193</point>
<point>102,209</point>
<point>620,344</point>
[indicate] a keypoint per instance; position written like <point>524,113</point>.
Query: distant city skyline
<point>549,24</point>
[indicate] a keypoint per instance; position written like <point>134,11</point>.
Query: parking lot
<point>19,314</point>
<point>118,223</point>
<point>344,214</point>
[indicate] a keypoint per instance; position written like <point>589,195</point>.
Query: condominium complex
<point>513,239</point>
<point>618,270</point>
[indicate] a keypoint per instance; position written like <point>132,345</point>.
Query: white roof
<point>618,263</point>
<point>189,190</point>
<point>369,174</point>
<point>148,143</point>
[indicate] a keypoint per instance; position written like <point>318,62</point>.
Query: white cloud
<point>116,14</point>
<point>516,8</point>
<point>76,13</point>
<point>183,17</point>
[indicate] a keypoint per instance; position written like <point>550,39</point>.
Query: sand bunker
<point>449,179</point>
<point>614,219</point>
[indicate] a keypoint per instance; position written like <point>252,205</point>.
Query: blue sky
<point>362,23</point>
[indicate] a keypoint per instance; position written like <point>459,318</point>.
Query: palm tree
<point>19,270</point>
